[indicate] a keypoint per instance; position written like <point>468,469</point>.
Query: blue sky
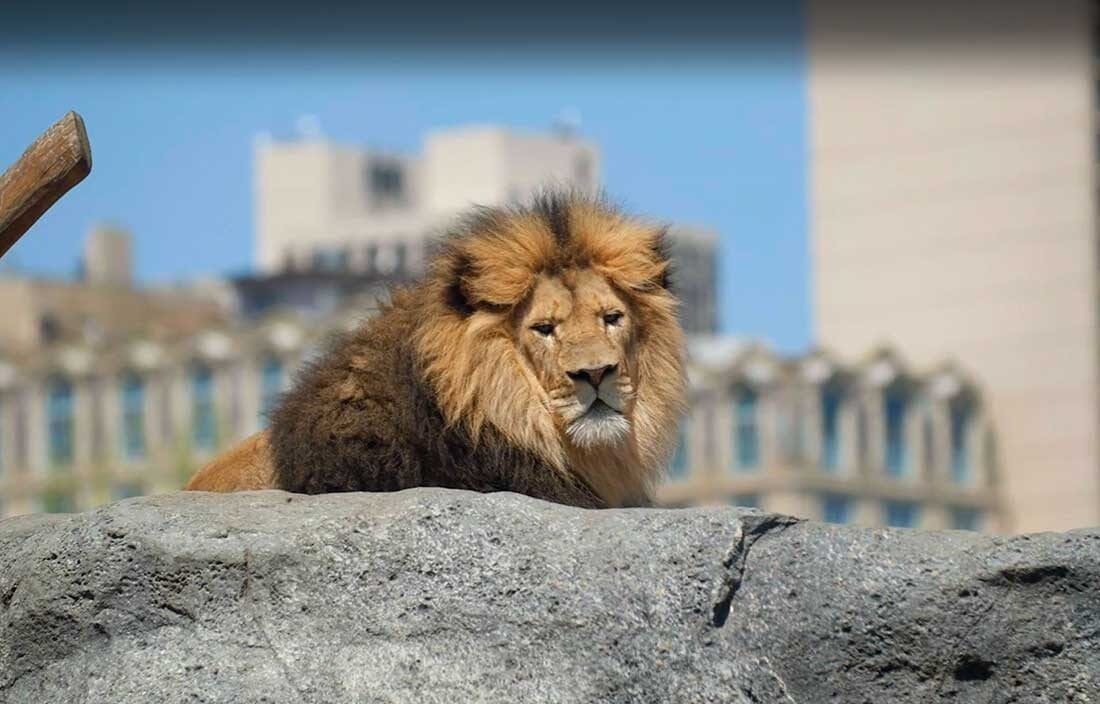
<point>710,137</point>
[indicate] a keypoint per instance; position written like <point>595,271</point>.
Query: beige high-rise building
<point>953,216</point>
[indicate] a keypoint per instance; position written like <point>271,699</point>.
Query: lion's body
<point>457,383</point>
<point>243,467</point>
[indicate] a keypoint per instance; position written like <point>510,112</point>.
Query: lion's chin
<point>599,426</point>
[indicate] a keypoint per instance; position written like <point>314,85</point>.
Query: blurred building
<point>80,377</point>
<point>83,423</point>
<point>694,252</point>
<point>98,307</point>
<point>334,220</point>
<point>108,390</point>
<point>953,215</point>
<point>873,442</point>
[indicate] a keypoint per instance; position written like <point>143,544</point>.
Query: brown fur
<point>452,386</point>
<point>247,465</point>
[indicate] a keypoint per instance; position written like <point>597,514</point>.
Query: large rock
<point>442,596</point>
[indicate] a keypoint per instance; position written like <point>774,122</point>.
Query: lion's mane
<point>433,391</point>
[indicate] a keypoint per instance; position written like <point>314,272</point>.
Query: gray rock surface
<point>443,596</point>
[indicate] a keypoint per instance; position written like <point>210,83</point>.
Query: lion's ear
<point>455,294</point>
<point>633,255</point>
<point>492,283</point>
<point>494,270</point>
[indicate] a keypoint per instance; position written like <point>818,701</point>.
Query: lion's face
<point>575,332</point>
<point>554,325</point>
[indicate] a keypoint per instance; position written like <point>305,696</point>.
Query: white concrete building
<point>322,205</point>
<point>868,440</point>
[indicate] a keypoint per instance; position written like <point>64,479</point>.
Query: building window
<point>386,180</point>
<point>895,410</point>
<point>746,430</point>
<point>49,329</point>
<point>678,467</point>
<point>960,413</point>
<point>203,430</point>
<point>836,508</point>
<point>745,500</point>
<point>271,385</point>
<point>965,518</point>
<point>330,259</point>
<point>59,420</point>
<point>900,514</point>
<point>126,490</point>
<point>132,402</point>
<point>831,398</point>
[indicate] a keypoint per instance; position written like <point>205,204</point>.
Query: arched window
<point>831,398</point>
<point>746,445</point>
<point>680,464</point>
<point>132,403</point>
<point>961,415</point>
<point>271,385</point>
<point>203,428</point>
<point>895,402</point>
<point>59,421</point>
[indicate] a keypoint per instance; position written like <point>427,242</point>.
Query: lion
<point>540,353</point>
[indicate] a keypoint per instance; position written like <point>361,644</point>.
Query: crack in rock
<point>249,597</point>
<point>753,528</point>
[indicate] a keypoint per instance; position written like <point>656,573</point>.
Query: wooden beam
<point>55,162</point>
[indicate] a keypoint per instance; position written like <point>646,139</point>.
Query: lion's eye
<point>543,328</point>
<point>612,318</point>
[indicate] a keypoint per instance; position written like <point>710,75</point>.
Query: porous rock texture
<point>432,595</point>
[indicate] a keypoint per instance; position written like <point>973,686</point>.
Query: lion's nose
<point>593,376</point>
